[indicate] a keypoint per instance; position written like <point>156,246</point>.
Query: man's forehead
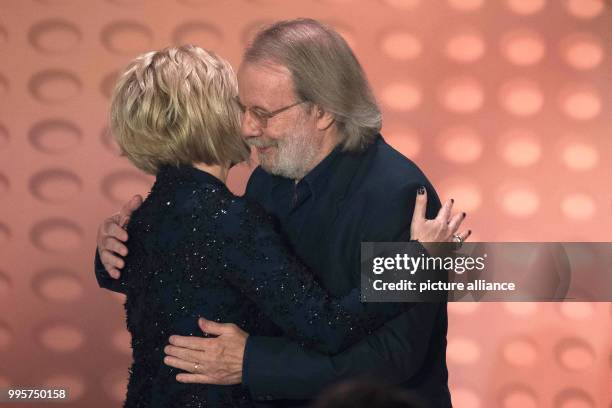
<point>256,80</point>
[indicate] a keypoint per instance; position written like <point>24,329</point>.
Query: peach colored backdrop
<point>504,103</point>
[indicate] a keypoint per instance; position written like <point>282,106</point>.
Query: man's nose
<point>249,127</point>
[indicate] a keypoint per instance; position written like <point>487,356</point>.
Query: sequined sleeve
<point>255,259</point>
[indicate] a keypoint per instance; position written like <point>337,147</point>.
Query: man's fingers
<point>131,206</point>
<point>190,342</point>
<point>114,245</point>
<point>116,231</point>
<point>455,221</point>
<point>184,353</point>
<point>181,364</point>
<point>445,211</point>
<point>420,205</point>
<point>212,327</point>
<point>196,379</point>
<point>109,259</point>
<point>113,272</point>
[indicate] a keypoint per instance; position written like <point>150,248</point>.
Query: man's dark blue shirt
<point>347,199</point>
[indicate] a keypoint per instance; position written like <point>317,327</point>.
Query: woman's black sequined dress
<point>195,249</point>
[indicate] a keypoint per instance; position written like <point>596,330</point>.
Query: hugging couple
<point>254,301</point>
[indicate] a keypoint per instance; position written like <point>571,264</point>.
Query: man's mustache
<point>261,142</point>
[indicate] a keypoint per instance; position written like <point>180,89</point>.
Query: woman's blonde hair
<point>177,107</point>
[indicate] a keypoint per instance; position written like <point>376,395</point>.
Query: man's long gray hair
<point>325,72</point>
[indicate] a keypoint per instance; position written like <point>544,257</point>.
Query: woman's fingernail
<point>421,190</point>
<point>469,232</point>
<point>452,201</point>
<point>464,214</point>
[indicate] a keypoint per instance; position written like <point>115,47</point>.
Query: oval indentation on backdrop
<point>4,85</point>
<point>4,137</point>
<point>575,354</point>
<point>54,85</point>
<point>126,37</point>
<point>5,284</point>
<point>56,235</point>
<point>4,36</point>
<point>199,33</point>
<point>461,145</point>
<point>520,351</point>
<point>6,336</point>
<point>521,97</point>
<point>58,285</point>
<point>107,85</point>
<point>108,140</point>
<point>465,46</point>
<point>251,29</point>
<point>54,36</point>
<point>581,102</point>
<point>115,385</point>
<point>583,51</point>
<point>5,235</point>
<point>525,7</point>
<point>403,4</point>
<point>4,186</point>
<point>55,185</point>
<point>55,2</point>
<point>402,96</point>
<point>463,350</point>
<point>127,2</point>
<point>120,186</point>
<point>462,95</point>
<point>574,398</point>
<point>122,341</point>
<point>55,136</point>
<point>196,3</point>
<point>406,140</point>
<point>518,396</point>
<point>61,337</point>
<point>466,5</point>
<point>520,147</point>
<point>70,382</point>
<point>523,47</point>
<point>401,45</point>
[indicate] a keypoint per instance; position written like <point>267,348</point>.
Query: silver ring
<point>457,240</point>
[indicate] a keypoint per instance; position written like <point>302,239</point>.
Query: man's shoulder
<point>260,182</point>
<point>387,170</point>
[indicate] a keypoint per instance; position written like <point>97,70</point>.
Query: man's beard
<point>290,157</point>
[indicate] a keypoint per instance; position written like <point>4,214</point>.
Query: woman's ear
<point>324,118</point>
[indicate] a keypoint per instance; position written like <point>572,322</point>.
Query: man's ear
<point>324,118</point>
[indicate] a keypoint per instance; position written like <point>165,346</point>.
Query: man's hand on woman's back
<point>112,237</point>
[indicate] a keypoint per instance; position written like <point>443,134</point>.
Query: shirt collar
<point>318,177</point>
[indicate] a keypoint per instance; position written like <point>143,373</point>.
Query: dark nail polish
<point>452,201</point>
<point>464,214</point>
<point>421,190</point>
<point>469,232</point>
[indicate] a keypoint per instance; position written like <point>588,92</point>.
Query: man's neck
<point>330,142</point>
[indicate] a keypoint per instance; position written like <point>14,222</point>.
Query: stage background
<point>505,104</point>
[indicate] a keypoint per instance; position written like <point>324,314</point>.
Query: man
<point>332,182</point>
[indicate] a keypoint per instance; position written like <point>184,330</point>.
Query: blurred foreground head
<point>363,394</point>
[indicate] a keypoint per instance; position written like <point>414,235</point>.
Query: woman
<point>198,250</point>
